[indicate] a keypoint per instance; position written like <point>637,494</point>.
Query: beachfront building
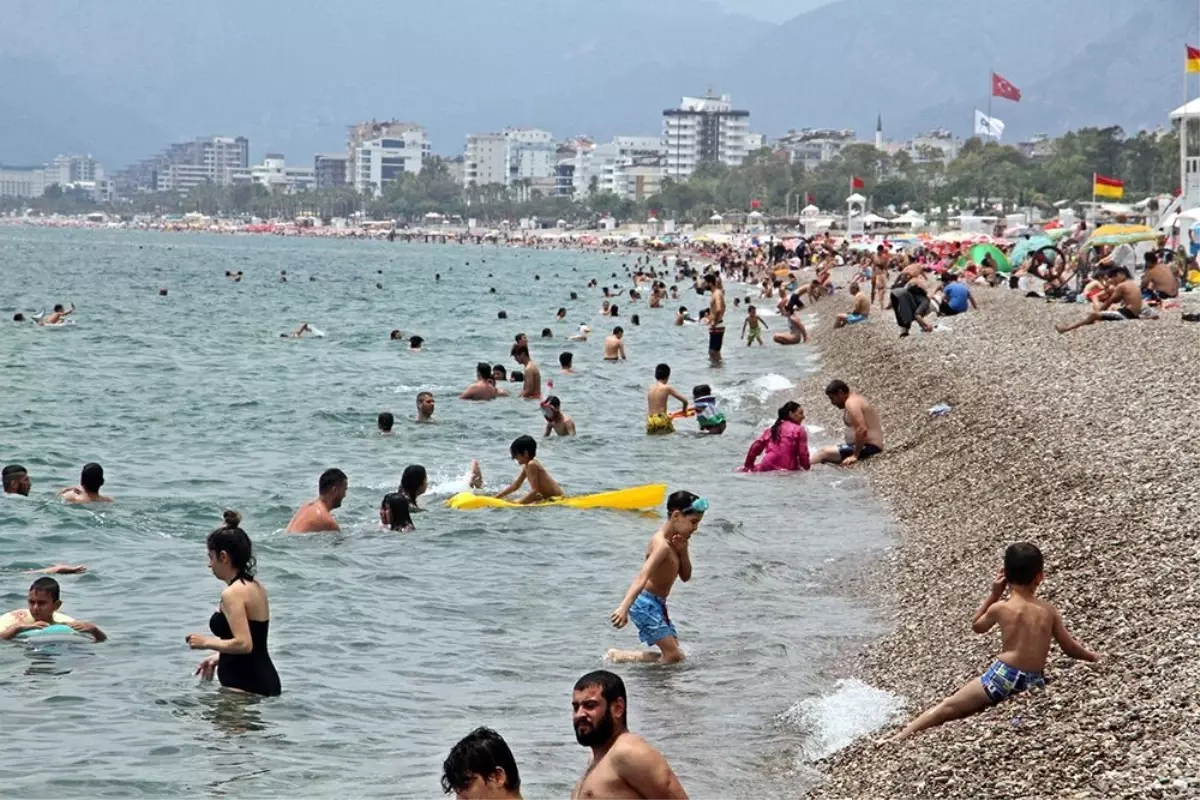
<point>631,167</point>
<point>22,181</point>
<point>517,158</point>
<point>485,160</point>
<point>938,145</point>
<point>703,129</point>
<point>378,153</point>
<point>812,147</point>
<point>274,174</point>
<point>70,170</point>
<point>329,170</point>
<point>185,165</point>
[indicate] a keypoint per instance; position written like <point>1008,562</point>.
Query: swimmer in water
<point>547,333</point>
<point>565,360</point>
<point>242,621</point>
<point>91,478</point>
<point>667,558</point>
<point>385,422</point>
<point>57,316</point>
<point>481,766</point>
<point>657,419</point>
<point>44,603</point>
<point>582,335</point>
<point>16,480</point>
<point>561,315</point>
<point>541,485</point>
<point>484,387</point>
<point>614,345</point>
<point>556,420</point>
<point>425,406</point>
<point>316,516</point>
<point>499,374</point>
<point>681,316</point>
<point>396,335</point>
<point>416,343</point>
<point>394,513</point>
<point>531,386</point>
<point>298,333</point>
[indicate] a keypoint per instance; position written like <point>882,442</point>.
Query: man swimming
<point>91,478</point>
<point>16,480</point>
<point>531,387</point>
<point>614,345</point>
<point>484,387</point>
<point>316,516</point>
<point>425,406</point>
<point>57,316</point>
<point>557,421</point>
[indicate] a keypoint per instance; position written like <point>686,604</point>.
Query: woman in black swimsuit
<point>240,624</point>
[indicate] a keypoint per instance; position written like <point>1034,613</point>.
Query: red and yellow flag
<point>1107,187</point>
<point>1193,59</point>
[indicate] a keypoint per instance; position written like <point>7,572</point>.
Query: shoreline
<point>1084,444</point>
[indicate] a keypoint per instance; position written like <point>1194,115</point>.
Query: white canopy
<point>716,218</point>
<point>873,219</point>
<point>1191,110</point>
<point>810,211</point>
<point>856,198</point>
<point>754,215</point>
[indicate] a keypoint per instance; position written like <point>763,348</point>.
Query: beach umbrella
<point>980,251</point>
<point>1024,248</point>
<point>1121,234</point>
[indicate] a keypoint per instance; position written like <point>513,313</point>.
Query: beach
<point>1084,444</point>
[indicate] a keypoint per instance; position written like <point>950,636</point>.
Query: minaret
<point>879,132</point>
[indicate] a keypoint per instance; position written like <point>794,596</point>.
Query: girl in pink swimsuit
<point>785,443</point>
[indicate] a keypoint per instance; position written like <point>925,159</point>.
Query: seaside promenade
<point>1086,445</point>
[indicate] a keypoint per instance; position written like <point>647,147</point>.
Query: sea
<point>392,646</point>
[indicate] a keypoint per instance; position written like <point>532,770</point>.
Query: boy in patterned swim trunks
<point>667,558</point>
<point>1027,625</point>
<point>657,419</point>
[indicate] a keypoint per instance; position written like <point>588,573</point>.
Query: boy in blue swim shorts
<point>667,558</point>
<point>1027,626</point>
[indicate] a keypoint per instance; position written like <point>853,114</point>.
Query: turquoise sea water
<point>390,646</point>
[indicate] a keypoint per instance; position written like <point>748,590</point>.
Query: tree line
<point>983,173</point>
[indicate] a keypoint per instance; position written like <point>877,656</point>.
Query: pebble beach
<point>1086,444</point>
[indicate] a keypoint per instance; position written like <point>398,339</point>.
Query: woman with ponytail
<point>785,443</point>
<point>240,624</point>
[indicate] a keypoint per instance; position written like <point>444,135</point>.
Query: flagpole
<point>991,88</point>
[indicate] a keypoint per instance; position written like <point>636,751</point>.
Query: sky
<point>772,10</point>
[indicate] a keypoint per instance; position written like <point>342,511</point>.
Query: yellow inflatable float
<point>635,498</point>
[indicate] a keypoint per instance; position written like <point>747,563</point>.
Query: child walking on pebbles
<point>1027,625</point>
<point>667,558</point>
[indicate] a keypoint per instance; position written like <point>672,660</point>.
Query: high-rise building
<point>274,174</point>
<point>521,157</point>
<point>814,146</point>
<point>485,160</point>
<point>377,153</point>
<point>703,129</point>
<point>65,170</point>
<point>185,165</point>
<point>329,170</point>
<point>22,181</point>
<point>631,167</point>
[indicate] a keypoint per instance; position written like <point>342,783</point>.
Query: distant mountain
<point>122,78</point>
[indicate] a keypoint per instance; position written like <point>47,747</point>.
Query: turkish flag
<point>1002,88</point>
<point>856,183</point>
<point>756,204</point>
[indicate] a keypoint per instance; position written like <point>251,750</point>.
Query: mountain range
<point>123,78</point>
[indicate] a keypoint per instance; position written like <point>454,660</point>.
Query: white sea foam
<point>770,383</point>
<point>832,721</point>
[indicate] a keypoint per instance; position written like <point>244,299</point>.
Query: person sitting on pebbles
<point>1027,625</point>
<point>1122,292</point>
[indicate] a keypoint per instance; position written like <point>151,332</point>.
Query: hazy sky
<point>772,10</point>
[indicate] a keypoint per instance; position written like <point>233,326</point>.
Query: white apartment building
<point>704,129</point>
<point>631,167</point>
<point>379,152</point>
<point>485,160</point>
<point>221,155</point>
<point>815,146</point>
<point>22,181</point>
<point>65,170</point>
<point>274,174</point>
<point>184,177</point>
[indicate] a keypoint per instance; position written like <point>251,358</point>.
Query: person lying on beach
<point>614,345</point>
<point>484,387</point>
<point>860,312</point>
<point>541,485</point>
<point>91,478</point>
<point>1122,292</point>
<point>44,604</point>
<point>667,558</point>
<point>316,516</point>
<point>1027,626</point>
<point>657,396</point>
<point>785,443</point>
<point>864,432</point>
<point>556,420</point>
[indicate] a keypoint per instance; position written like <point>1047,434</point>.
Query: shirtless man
<point>860,312</point>
<point>864,432</point>
<point>657,418</point>
<point>1123,293</point>
<point>614,345</point>
<point>556,420</point>
<point>425,406</point>
<point>316,516</point>
<point>531,388</point>
<point>298,333</point>
<point>716,316</point>
<point>57,315</point>
<point>623,764</point>
<point>16,480</point>
<point>484,387</point>
<point>91,478</point>
<point>1160,281</point>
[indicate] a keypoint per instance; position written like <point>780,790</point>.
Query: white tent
<point>874,219</point>
<point>754,215</point>
<point>809,211</point>
<point>716,218</point>
<point>1191,110</point>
